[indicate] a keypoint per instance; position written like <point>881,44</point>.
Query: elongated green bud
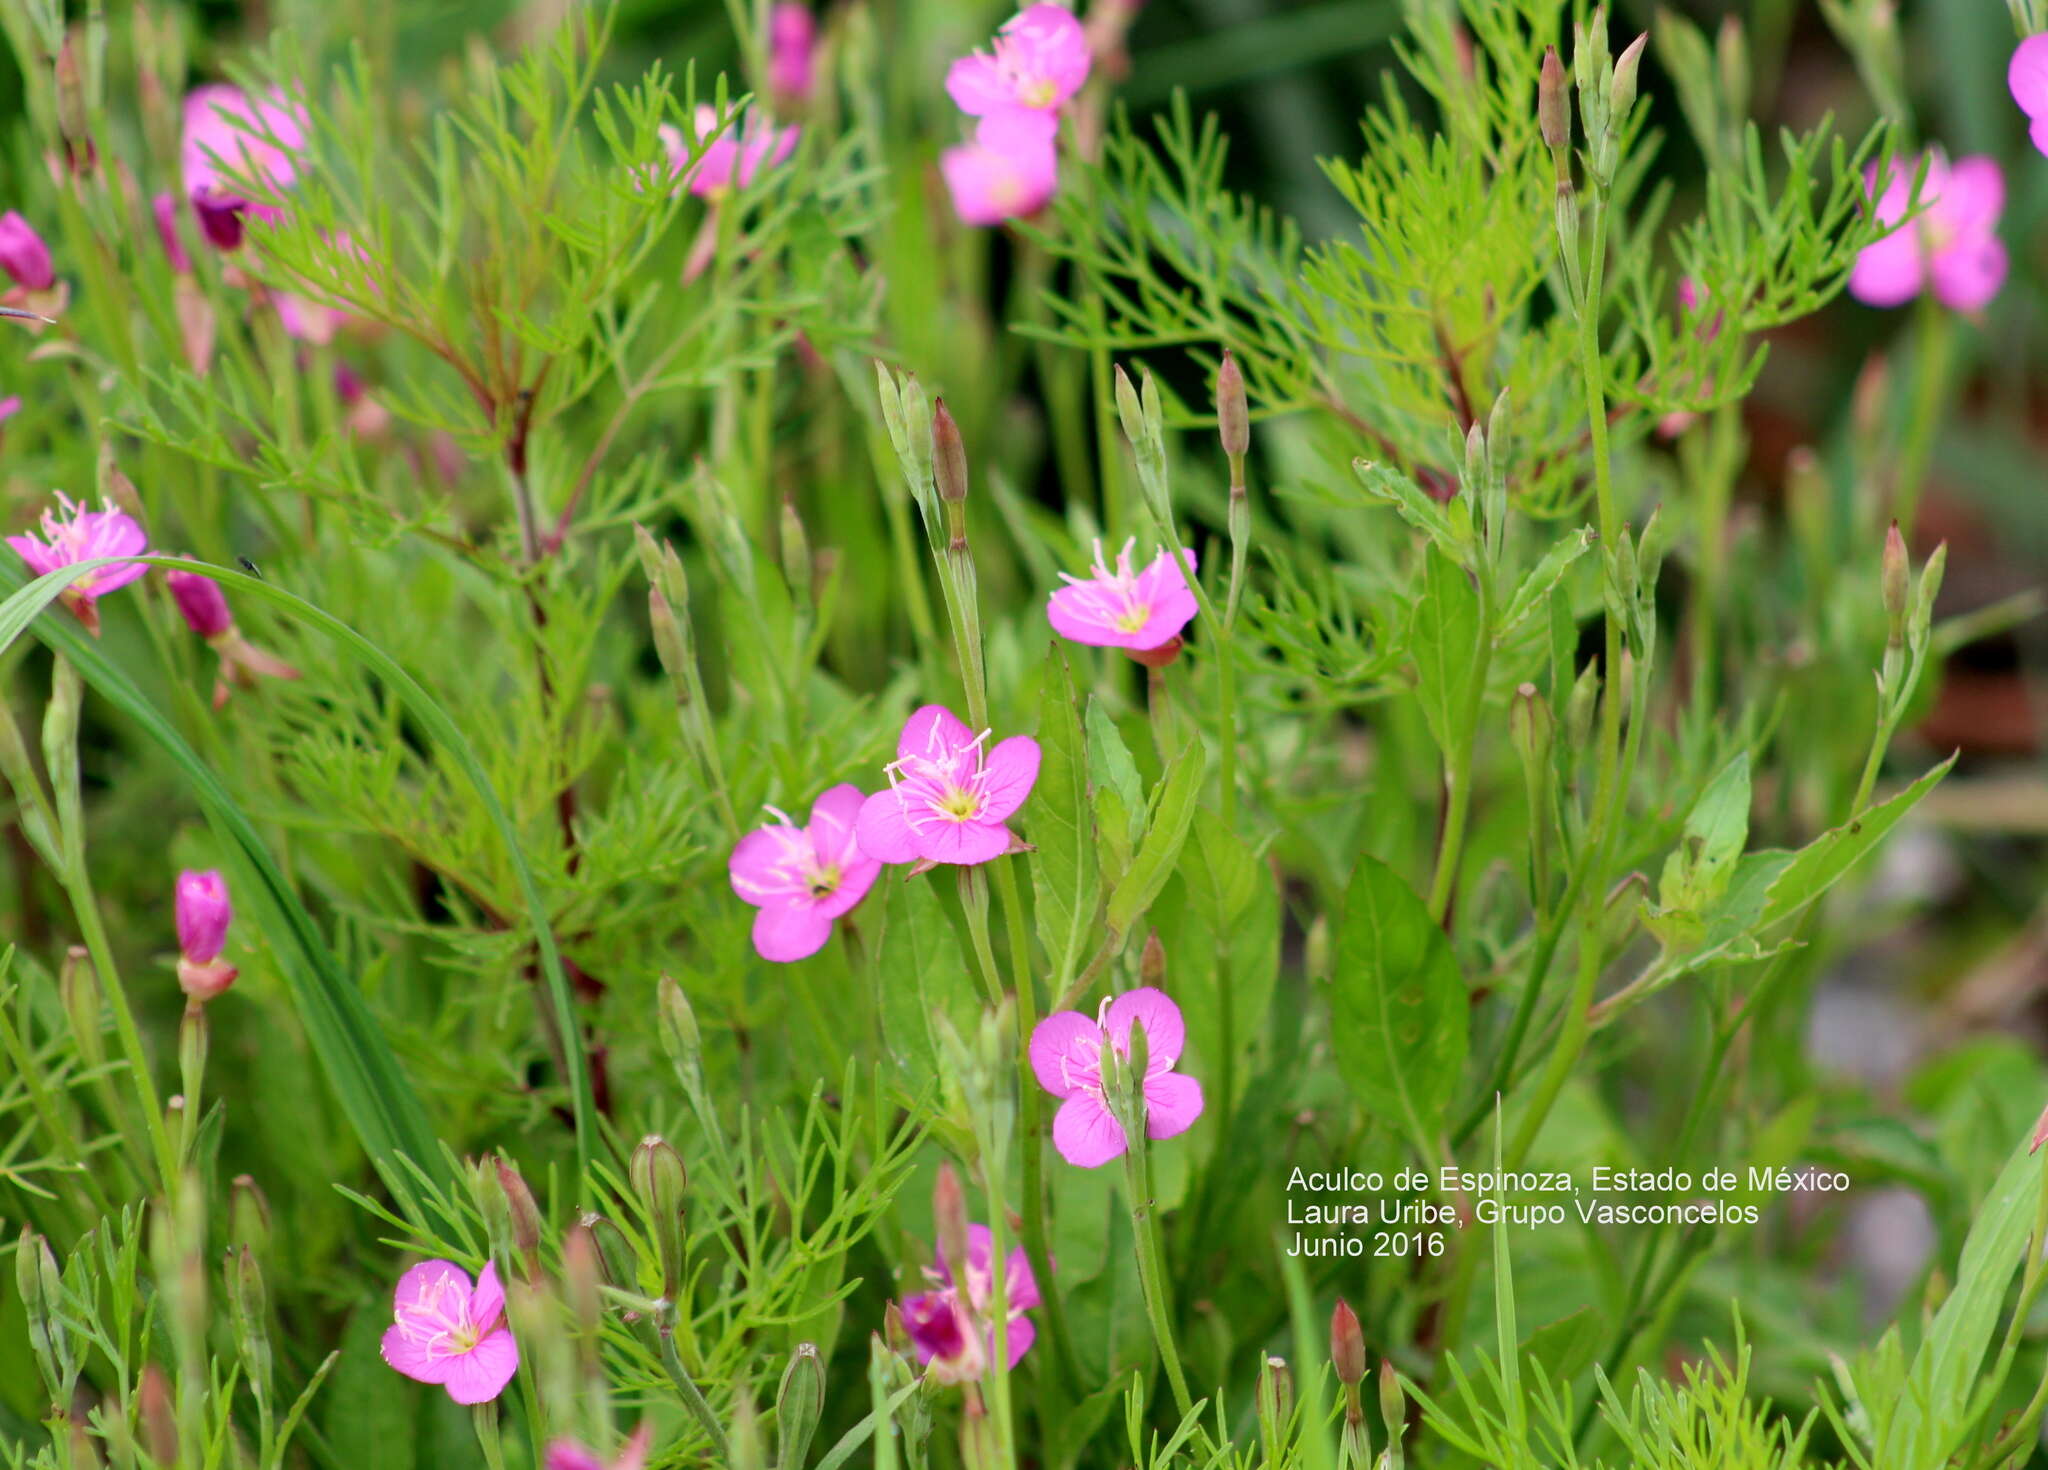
<point>1621,93</point>
<point>1393,1412</point>
<point>582,1278</point>
<point>159,1418</point>
<point>522,1215</point>
<point>1895,583</point>
<point>249,1308</point>
<point>1731,65</point>
<point>949,471</point>
<point>74,113</point>
<point>1233,415</point>
<point>663,1186</point>
<point>679,1035</point>
<point>795,545</point>
<point>614,1252</point>
<point>1553,106</point>
<point>78,987</point>
<point>248,1216</point>
<point>798,1403</point>
<point>1128,408</point>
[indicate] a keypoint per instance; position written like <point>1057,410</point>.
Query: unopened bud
<point>1152,962</point>
<point>582,1274</point>
<point>74,120</point>
<point>1868,402</point>
<point>1274,1397</point>
<point>798,1403</point>
<point>797,570</point>
<point>159,1419</point>
<point>1128,409</point>
<point>78,987</point>
<point>1553,104</point>
<point>614,1253</point>
<point>1530,725</point>
<point>1731,63</point>
<point>1621,93</point>
<point>662,1184</point>
<point>1347,1345</point>
<point>949,455</point>
<point>249,1308</point>
<point>949,1218</point>
<point>680,1037</point>
<point>1393,1412</point>
<point>522,1215</point>
<point>1233,415</point>
<point>1895,582</point>
<point>248,1216</point>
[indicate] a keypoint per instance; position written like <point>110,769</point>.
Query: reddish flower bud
<point>202,602</point>
<point>1233,414</point>
<point>203,914</point>
<point>1347,1345</point>
<point>23,255</point>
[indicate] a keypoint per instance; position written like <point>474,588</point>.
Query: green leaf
<point>1119,794</point>
<point>1180,786</point>
<point>1389,486</point>
<point>920,973</point>
<point>1398,1001</point>
<point>1819,865</point>
<point>1064,879</point>
<point>1446,643</point>
<point>1698,872</point>
<point>1534,593</point>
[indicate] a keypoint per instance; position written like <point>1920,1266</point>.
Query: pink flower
<point>802,878</point>
<point>72,534</point>
<point>23,255</point>
<point>1039,59</point>
<point>1066,1055</point>
<point>1009,171</point>
<point>204,914</point>
<point>947,799</point>
<point>451,1333</point>
<point>792,52</point>
<point>566,1454</point>
<point>226,132</point>
<point>1952,244</point>
<point>202,602</point>
<point>165,208</point>
<point>205,607</point>
<point>2027,76</point>
<point>1125,609</point>
<point>745,148</point>
<point>951,1326</point>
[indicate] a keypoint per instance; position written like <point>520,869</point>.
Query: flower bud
<point>249,1308</point>
<point>1152,962</point>
<point>1621,92</point>
<point>202,602</point>
<point>582,1275</point>
<point>1347,1345</point>
<point>1731,63</point>
<point>796,554</point>
<point>949,1219</point>
<point>662,1184</point>
<point>1894,581</point>
<point>1128,409</point>
<point>248,1216</point>
<point>1530,725</point>
<point>798,1403</point>
<point>615,1256</point>
<point>680,1038</point>
<point>1233,414</point>
<point>522,1213</point>
<point>949,455</point>
<point>1393,1412</point>
<point>159,1418</point>
<point>203,913</point>
<point>23,255</point>
<point>78,987</point>
<point>1553,104</point>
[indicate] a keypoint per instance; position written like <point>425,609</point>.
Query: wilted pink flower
<point>1120,608</point>
<point>1951,245</point>
<point>802,878</point>
<point>205,606</point>
<point>451,1333</point>
<point>1038,60</point>
<point>2027,76</point>
<point>204,914</point>
<point>566,1454</point>
<point>792,52</point>
<point>1066,1055</point>
<point>72,534</point>
<point>951,1325</point>
<point>227,132</point>
<point>165,208</point>
<point>23,255</point>
<point>745,148</point>
<point>1009,171</point>
<point>948,798</point>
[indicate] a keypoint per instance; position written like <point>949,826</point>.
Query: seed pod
<point>663,1185</point>
<point>1233,413</point>
<point>798,1404</point>
<point>1347,1345</point>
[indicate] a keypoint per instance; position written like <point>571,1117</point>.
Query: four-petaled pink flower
<point>2027,76</point>
<point>567,1454</point>
<point>204,914</point>
<point>449,1332</point>
<point>951,1325</point>
<point>226,132</point>
<point>792,52</point>
<point>1038,60</point>
<point>948,798</point>
<point>1952,245</point>
<point>72,534</point>
<point>1066,1055</point>
<point>739,154</point>
<point>1009,171</point>
<point>802,878</point>
<point>1122,608</point>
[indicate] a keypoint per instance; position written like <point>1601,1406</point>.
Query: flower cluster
<point>1014,91</point>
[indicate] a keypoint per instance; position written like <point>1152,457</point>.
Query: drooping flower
<point>23,255</point>
<point>1952,246</point>
<point>72,534</point>
<point>205,607</point>
<point>733,160</point>
<point>204,914</point>
<point>567,1454</point>
<point>802,878</point>
<point>792,52</point>
<point>2027,76</point>
<point>1066,1056</point>
<point>448,1332</point>
<point>948,798</point>
<point>951,1325</point>
<point>1009,171</point>
<point>1038,60</point>
<point>1121,608</point>
<point>227,131</point>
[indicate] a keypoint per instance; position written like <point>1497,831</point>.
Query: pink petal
<point>855,879</point>
<point>1074,615</point>
<point>1007,776</point>
<point>833,816</point>
<point>760,871</point>
<point>933,732</point>
<point>2027,76</point>
<point>487,1302</point>
<point>480,1375</point>
<point>963,843</point>
<point>1168,617</point>
<point>1056,45</point>
<point>1086,1133</point>
<point>1968,274</point>
<point>565,1455</point>
<point>2039,132</point>
<point>883,829</point>
<point>1165,1032</point>
<point>1172,1103</point>
<point>1018,1281</point>
<point>1063,1035</point>
<point>1888,273</point>
<point>1974,195</point>
<point>789,932</point>
<point>412,1357</point>
<point>977,86</point>
<point>1018,1335</point>
<point>427,1281</point>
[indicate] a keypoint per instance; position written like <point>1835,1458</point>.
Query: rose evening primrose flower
<point>2027,76</point>
<point>1067,1056</point>
<point>747,146</point>
<point>567,1454</point>
<point>1009,171</point>
<point>948,797</point>
<point>448,1332</point>
<point>950,1325</point>
<point>1122,608</point>
<point>23,255</point>
<point>1951,246</point>
<point>204,914</point>
<point>1038,60</point>
<point>72,534</point>
<point>802,878</point>
<point>792,52</point>
<point>226,129</point>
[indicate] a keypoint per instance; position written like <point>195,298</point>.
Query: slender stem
<point>1151,1268</point>
<point>485,1417</point>
<point>1458,764</point>
<point>1937,334</point>
<point>693,1397</point>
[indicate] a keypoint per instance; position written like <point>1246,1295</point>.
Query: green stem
<point>1151,1267</point>
<point>693,1397</point>
<point>1936,332</point>
<point>1458,765</point>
